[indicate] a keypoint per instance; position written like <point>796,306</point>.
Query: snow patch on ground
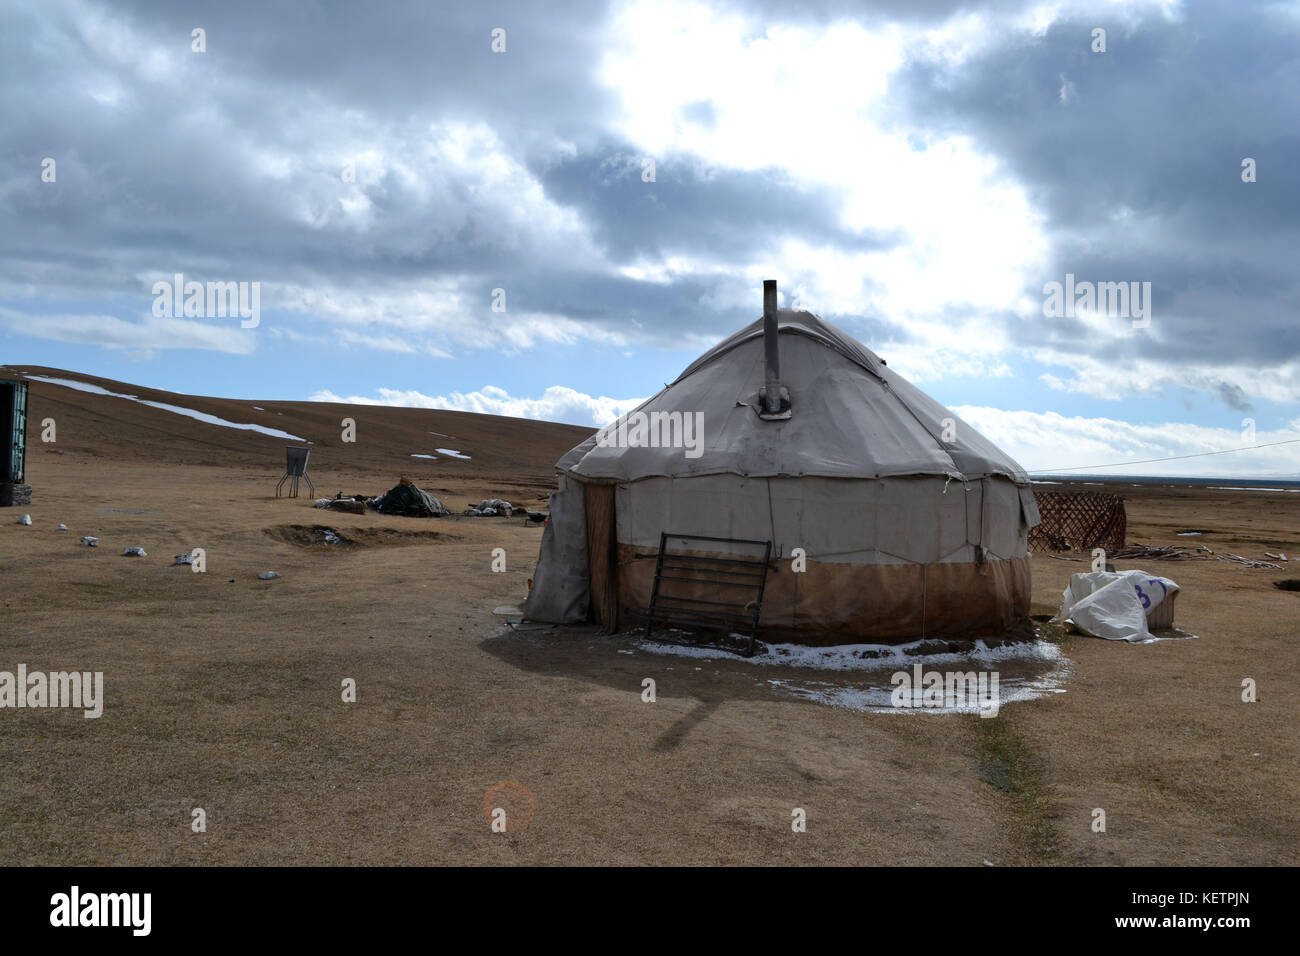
<point>878,699</point>
<point>847,657</point>
<point>860,674</point>
<point>451,454</point>
<point>175,409</point>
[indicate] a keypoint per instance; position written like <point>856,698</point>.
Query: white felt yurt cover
<point>868,476</point>
<point>852,418</point>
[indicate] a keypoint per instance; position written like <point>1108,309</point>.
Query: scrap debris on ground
<point>353,504</point>
<point>1160,552</point>
<point>409,500</point>
<point>405,499</point>
<point>493,507</point>
<point>1178,553</point>
<point>499,507</point>
<point>1248,562</point>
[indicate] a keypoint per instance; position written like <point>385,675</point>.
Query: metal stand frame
<point>722,576</point>
<point>295,468</point>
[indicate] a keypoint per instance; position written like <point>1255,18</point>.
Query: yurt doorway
<point>602,555</point>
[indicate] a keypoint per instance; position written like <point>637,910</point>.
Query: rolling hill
<point>102,418</point>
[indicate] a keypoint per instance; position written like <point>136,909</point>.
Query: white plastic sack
<point>1113,604</point>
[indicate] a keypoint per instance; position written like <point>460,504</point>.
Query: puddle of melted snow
<point>1175,634</point>
<point>878,699</point>
<point>859,674</point>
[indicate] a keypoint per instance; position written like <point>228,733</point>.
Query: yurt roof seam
<point>822,334</point>
<point>956,472</point>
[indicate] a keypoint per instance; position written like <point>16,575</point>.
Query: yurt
<point>789,484</point>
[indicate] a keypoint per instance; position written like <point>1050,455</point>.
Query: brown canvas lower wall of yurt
<point>833,603</point>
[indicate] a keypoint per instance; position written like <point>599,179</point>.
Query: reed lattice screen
<point>1078,521</point>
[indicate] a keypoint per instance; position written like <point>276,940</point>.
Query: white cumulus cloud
<point>557,404</point>
<point>1047,441</point>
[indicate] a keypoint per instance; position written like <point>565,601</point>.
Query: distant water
<point>1236,484</point>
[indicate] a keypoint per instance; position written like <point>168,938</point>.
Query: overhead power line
<point>1149,461</point>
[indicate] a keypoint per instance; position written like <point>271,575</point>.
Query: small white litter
<point>63,527</point>
<point>134,552</point>
<point>268,575</point>
<point>187,558</point>
<point>25,519</point>
<point>90,542</point>
<point>331,537</point>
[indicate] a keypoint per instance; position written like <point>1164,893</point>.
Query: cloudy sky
<point>626,174</point>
